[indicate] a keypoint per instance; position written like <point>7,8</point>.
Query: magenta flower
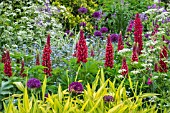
<point>149,82</point>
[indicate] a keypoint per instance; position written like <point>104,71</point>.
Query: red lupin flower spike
<point>120,42</point>
<point>7,65</point>
<point>134,54</point>
<point>22,69</point>
<point>37,59</point>
<point>82,50</point>
<point>124,67</point>
<point>46,60</point>
<point>109,53</point>
<point>138,33</point>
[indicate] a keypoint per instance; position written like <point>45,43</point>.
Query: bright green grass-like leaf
<point>44,87</point>
<point>19,86</point>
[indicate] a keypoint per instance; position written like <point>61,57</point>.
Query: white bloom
<point>155,77</point>
<point>123,51</point>
<point>135,72</point>
<point>120,76</point>
<point>121,70</point>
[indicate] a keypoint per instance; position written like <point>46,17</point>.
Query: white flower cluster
<point>121,52</point>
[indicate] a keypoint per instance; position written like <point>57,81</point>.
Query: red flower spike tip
<point>7,65</point>
<point>109,53</point>
<point>3,57</point>
<point>92,53</point>
<point>46,61</point>
<point>156,68</point>
<point>138,33</point>
<point>37,59</point>
<point>124,68</point>
<point>48,40</point>
<point>135,54</point>
<point>22,69</point>
<point>82,50</point>
<point>120,42</point>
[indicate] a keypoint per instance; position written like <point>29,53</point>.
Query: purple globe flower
<point>82,10</point>
<point>96,14</point>
<point>104,30</point>
<point>108,98</point>
<point>83,24</point>
<point>114,37</point>
<point>97,33</point>
<point>76,87</point>
<point>33,83</point>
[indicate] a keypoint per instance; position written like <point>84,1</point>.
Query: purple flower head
<point>96,14</point>
<point>69,33</point>
<point>104,30</point>
<point>149,82</point>
<point>82,10</point>
<point>114,37</point>
<point>143,17</point>
<point>83,24</point>
<point>154,6</point>
<point>108,98</point>
<point>164,10</point>
<point>47,8</point>
<point>33,83</point>
<point>76,87</point>
<point>147,35</point>
<point>97,33</point>
<point>149,7</point>
<point>130,26</point>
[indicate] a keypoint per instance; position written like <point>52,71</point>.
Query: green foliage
<point>91,100</point>
<point>70,16</point>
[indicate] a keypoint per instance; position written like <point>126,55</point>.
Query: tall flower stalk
<point>124,67</point>
<point>120,42</point>
<point>82,50</point>
<point>7,65</point>
<point>163,56</point>
<point>46,61</point>
<point>37,59</point>
<point>138,33</point>
<point>109,53</point>
<point>22,69</point>
<point>134,53</point>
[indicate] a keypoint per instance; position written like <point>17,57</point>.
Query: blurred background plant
<point>28,23</point>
